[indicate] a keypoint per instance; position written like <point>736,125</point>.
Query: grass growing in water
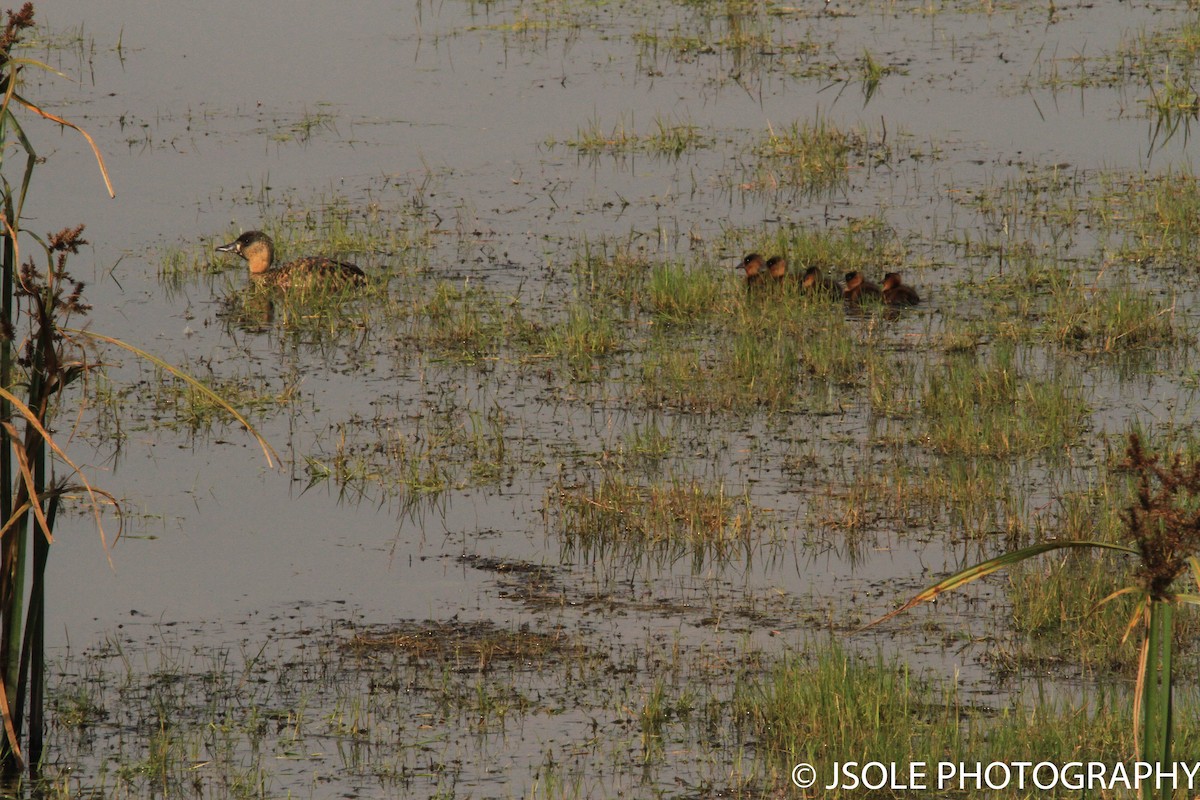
<point>837,707</point>
<point>812,157</point>
<point>669,138</point>
<point>749,369</point>
<point>586,334</point>
<point>415,460</point>
<point>611,275</point>
<point>678,294</point>
<point>1111,320</point>
<point>985,406</point>
<point>1156,217</point>
<point>664,519</point>
<point>173,403</point>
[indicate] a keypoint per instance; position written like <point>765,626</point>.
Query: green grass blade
<point>988,567</point>
<point>26,177</point>
<point>268,451</point>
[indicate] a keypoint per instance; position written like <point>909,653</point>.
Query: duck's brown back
<point>313,269</point>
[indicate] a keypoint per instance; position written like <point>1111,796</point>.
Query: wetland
<point>562,509</point>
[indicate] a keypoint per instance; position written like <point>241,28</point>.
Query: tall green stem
<point>1156,696</point>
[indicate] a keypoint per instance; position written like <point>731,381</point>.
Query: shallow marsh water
<point>455,119</point>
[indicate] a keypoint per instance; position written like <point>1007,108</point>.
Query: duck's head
<point>891,281</point>
<point>752,263</point>
<point>853,279</point>
<point>254,246</point>
<point>777,266</point>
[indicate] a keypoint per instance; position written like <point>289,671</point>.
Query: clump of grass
<point>871,73</point>
<point>836,707</point>
<point>865,245</point>
<point>612,275</point>
<point>1139,58</point>
<point>811,157</point>
<point>749,369</point>
<point>1036,213</point>
<point>466,322</point>
<point>447,448</point>
<point>197,411</point>
<point>1157,218</point>
<point>1115,319</point>
<point>668,517</point>
<point>648,444</point>
<point>653,718</point>
<point>674,138</point>
<point>677,294</point>
<point>890,381</point>
<point>739,28</point>
<point>832,352</point>
<point>1173,104</point>
<point>1062,620</point>
<point>311,312</point>
<point>985,406</point>
<point>841,708</point>
<point>177,265</point>
<point>302,129</point>
<point>669,138</point>
<point>762,365</point>
<point>1057,607</point>
<point>586,334</point>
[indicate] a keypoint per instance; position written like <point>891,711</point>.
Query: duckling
<point>896,293</point>
<point>859,288</point>
<point>777,269</point>
<point>821,285</point>
<point>753,265</point>
<point>259,251</point>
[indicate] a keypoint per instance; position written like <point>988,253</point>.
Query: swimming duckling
<point>753,265</point>
<point>859,288</point>
<point>896,293</point>
<point>259,251</point>
<point>821,285</point>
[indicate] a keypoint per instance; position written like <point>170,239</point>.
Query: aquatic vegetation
<point>41,356</point>
<point>1156,218</point>
<point>986,406</point>
<point>813,157</point>
<point>586,334</point>
<point>678,294</point>
<point>554,328</point>
<point>1163,522</point>
<point>832,707</point>
<point>663,519</point>
<point>668,138</point>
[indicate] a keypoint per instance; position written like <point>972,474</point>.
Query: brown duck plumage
<point>777,269</point>
<point>753,265</point>
<point>820,284</point>
<point>896,293</point>
<point>259,252</point>
<point>859,288</point>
